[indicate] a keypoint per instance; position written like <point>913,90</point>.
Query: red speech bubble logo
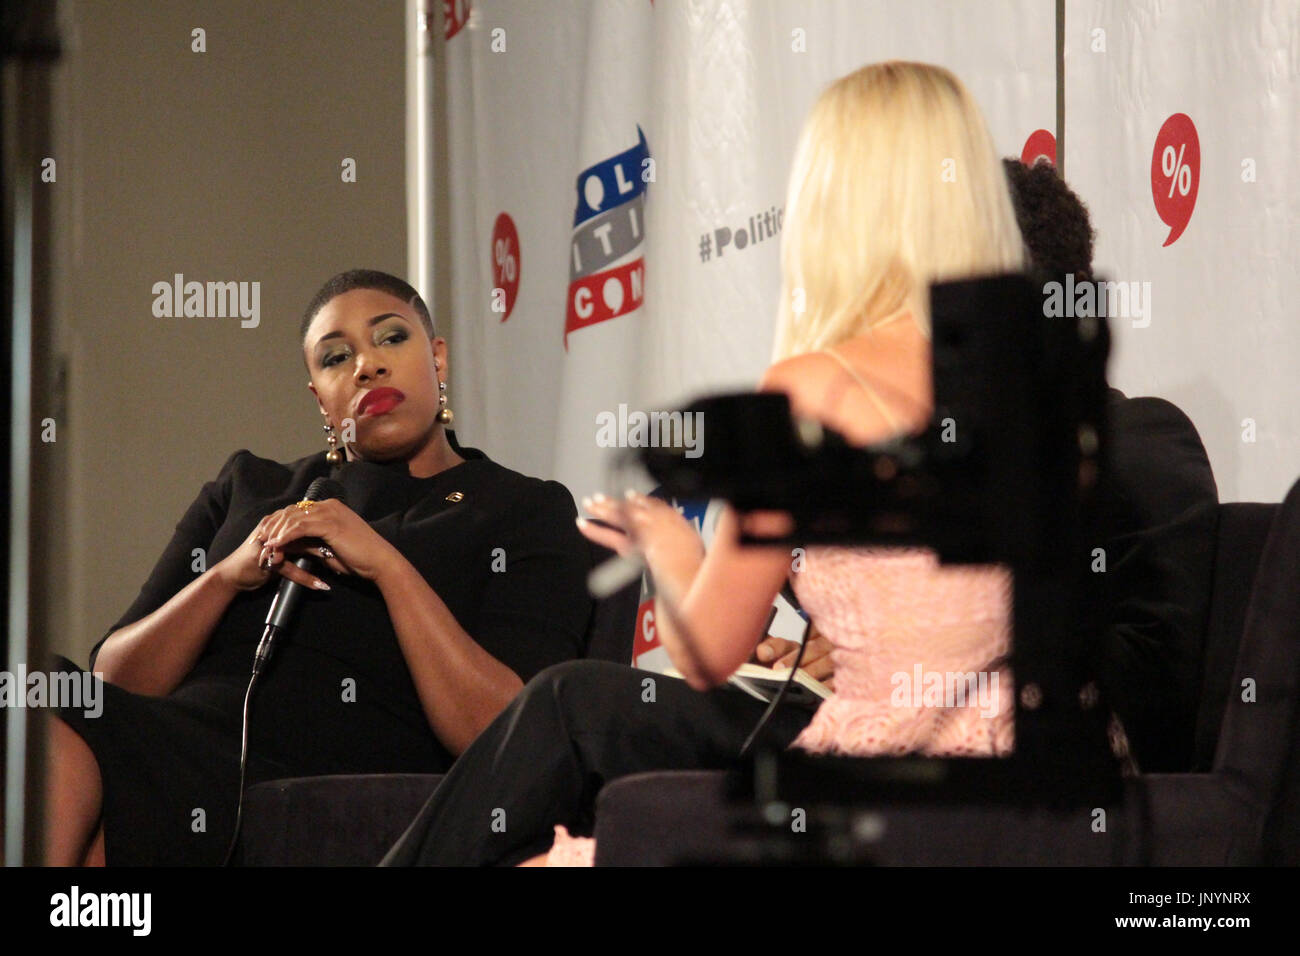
<point>456,15</point>
<point>1176,173</point>
<point>505,261</point>
<point>1040,145</point>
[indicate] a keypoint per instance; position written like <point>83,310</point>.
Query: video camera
<point>1005,472</point>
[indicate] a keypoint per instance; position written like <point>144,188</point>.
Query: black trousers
<point>573,728</point>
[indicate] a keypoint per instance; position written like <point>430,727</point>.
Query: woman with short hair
<point>445,581</point>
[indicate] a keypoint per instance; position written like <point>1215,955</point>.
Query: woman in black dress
<point>451,581</point>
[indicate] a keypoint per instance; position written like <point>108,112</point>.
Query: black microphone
<point>291,592</point>
<point>277,619</point>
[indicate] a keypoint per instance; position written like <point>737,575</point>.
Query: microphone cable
<point>263,649</point>
<point>282,607</point>
<point>787,592</point>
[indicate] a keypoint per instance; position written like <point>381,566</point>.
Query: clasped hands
<point>673,551</point>
<point>328,529</point>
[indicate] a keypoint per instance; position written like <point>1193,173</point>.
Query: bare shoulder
<point>820,387</point>
<point>803,377</point>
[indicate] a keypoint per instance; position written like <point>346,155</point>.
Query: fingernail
<point>322,585</point>
<point>780,666</point>
<point>764,654</point>
<point>598,496</point>
<point>629,494</point>
<point>586,502</point>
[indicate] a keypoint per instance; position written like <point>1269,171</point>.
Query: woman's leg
<point>95,856</point>
<point>73,797</point>
<point>572,728</point>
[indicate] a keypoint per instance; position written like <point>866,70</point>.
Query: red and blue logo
<point>606,268</point>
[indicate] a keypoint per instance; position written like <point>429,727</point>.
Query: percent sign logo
<point>1041,144</point>
<point>1176,173</point>
<point>505,265</point>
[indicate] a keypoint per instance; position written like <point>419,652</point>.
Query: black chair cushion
<point>1261,721</point>
<point>668,817</point>
<point>339,820</point>
<point>1239,541</point>
<point>1156,517</point>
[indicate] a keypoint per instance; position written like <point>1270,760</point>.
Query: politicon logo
<point>606,265</point>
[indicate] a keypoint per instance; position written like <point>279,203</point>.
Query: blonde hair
<point>895,184</point>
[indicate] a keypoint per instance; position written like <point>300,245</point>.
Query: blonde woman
<point>895,184</point>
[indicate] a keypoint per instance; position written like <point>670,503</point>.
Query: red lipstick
<point>380,400</point>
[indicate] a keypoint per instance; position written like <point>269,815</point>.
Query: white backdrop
<point>612,162</point>
<point>720,90</point>
<point>1223,341</point>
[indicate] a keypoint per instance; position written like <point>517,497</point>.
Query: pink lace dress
<point>918,650</point>
<point>918,653</point>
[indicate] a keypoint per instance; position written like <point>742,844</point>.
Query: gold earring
<point>333,456</point>
<point>445,414</point>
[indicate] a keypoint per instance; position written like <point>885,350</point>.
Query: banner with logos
<point>617,176</point>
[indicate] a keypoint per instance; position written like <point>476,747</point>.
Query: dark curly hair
<point>366,279</point>
<point>1053,220</point>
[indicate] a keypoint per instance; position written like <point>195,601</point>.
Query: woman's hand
<point>779,654</point>
<point>245,568</point>
<point>267,551</point>
<point>334,533</point>
<point>670,544</point>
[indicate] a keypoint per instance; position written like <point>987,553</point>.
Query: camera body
<point>1004,473</point>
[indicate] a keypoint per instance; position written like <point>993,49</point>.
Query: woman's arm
<point>713,624</point>
<point>725,606</point>
<point>711,610</point>
<point>534,613</point>
<point>138,652</point>
<point>461,686</point>
<point>153,655</point>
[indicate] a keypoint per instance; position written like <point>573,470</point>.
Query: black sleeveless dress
<point>499,548</point>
